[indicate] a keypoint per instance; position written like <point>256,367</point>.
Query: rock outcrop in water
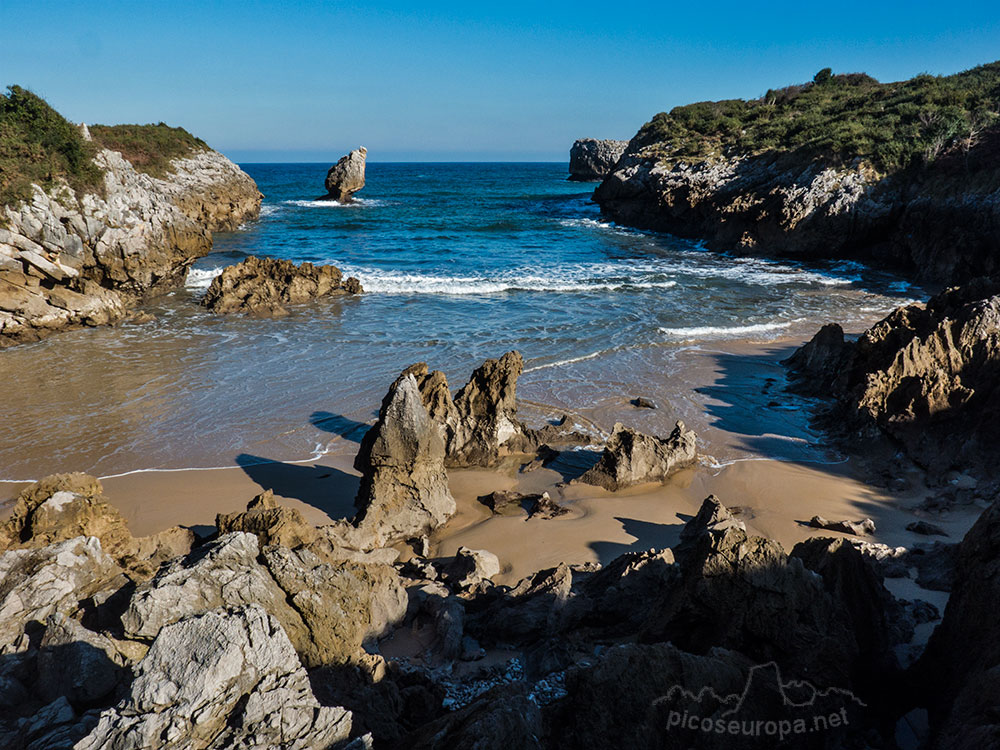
<point>346,177</point>
<point>264,286</point>
<point>69,260</point>
<point>591,159</point>
<point>632,458</point>
<point>927,376</point>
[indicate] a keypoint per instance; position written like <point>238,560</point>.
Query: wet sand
<point>732,395</point>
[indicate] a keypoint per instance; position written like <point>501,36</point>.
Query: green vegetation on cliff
<point>38,145</point>
<point>839,117</point>
<point>150,148</point>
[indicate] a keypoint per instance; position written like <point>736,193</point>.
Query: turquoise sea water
<point>460,262</point>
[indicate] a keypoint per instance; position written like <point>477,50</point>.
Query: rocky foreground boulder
<point>66,506</point>
<point>631,457</point>
<point>591,159</point>
<point>927,376</point>
<point>265,286</point>
<point>222,679</point>
<point>70,260</point>
<point>346,177</point>
<point>327,609</point>
<point>958,676</point>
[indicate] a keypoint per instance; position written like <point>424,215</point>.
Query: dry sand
<point>775,498</point>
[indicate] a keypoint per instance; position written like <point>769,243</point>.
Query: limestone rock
<point>64,506</point>
<point>404,487</point>
<point>471,566</point>
<point>264,286</point>
<point>957,674</point>
<point>591,159</point>
<point>96,256</point>
<point>631,457</point>
<point>221,679</point>
<point>36,583</point>
<point>272,523</point>
<point>786,203</point>
<point>346,177</point>
<point>327,610</point>
<point>543,506</point>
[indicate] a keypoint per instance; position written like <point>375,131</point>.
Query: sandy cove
<point>775,499</point>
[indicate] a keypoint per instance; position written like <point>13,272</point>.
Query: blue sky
<point>306,81</point>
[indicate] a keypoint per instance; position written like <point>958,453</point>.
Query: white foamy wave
<point>702,332</point>
<point>356,203</point>
<point>597,224</point>
<point>388,282</point>
<point>269,210</point>
<point>201,278</point>
<point>570,361</point>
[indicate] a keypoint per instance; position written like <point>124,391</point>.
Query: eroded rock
<point>591,159</point>
<point>631,457</point>
<point>265,286</point>
<point>220,679</point>
<point>404,487</point>
<point>346,177</point>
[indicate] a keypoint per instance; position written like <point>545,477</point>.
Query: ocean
<point>460,262</point>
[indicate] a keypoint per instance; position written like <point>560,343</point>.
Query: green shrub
<point>840,118</point>
<point>150,148</point>
<point>38,145</point>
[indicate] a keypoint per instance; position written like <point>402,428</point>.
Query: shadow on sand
<point>324,487</point>
<point>647,535</point>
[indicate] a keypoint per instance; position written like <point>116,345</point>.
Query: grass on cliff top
<point>150,148</point>
<point>38,145</point>
<point>891,126</point>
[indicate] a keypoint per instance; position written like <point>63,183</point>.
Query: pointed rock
<point>404,487</point>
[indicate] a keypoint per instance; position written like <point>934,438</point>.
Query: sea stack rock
<point>591,160</point>
<point>346,177</point>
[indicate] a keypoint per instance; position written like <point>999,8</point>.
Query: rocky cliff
<point>78,257</point>
<point>591,159</point>
<point>841,167</point>
<point>926,376</point>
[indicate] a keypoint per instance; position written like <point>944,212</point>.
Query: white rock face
<point>68,259</point>
<point>37,583</point>
<point>224,679</point>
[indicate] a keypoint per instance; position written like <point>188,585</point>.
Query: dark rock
<point>631,457</point>
<point>857,528</point>
<point>591,159</point>
<point>959,673</point>
<point>643,403</point>
<point>346,177</point>
<point>926,377</point>
<point>264,286</point>
<point>543,506</point>
<point>925,528</point>
<point>506,502</point>
<point>471,566</point>
<point>821,361</point>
